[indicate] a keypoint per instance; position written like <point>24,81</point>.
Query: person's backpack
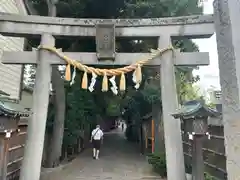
<point>95,134</point>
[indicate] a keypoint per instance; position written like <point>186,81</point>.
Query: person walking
<point>122,126</point>
<point>96,139</point>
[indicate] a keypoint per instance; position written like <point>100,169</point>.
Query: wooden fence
<point>213,149</point>
<point>213,152</point>
<point>12,150</point>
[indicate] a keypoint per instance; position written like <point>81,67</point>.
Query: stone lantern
<point>194,116</point>
<point>10,113</point>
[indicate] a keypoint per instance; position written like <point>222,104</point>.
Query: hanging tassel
<point>93,81</point>
<point>138,73</point>
<point>105,83</point>
<point>85,80</point>
<point>68,73</point>
<point>73,77</point>
<point>122,85</point>
<point>114,87</point>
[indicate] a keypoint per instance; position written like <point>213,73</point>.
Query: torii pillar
<point>226,14</point>
<point>172,127</point>
<point>31,165</point>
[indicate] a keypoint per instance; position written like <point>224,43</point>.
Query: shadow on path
<point>119,160</point>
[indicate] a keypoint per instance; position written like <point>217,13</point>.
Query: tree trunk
<point>141,139</point>
<point>46,149</point>
<point>158,129</point>
<point>58,124</point>
<point>59,103</point>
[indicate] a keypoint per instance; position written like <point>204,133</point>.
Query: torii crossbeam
<point>180,59</point>
<point>162,28</point>
<point>197,26</point>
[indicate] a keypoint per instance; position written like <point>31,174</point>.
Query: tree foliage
<point>29,75</point>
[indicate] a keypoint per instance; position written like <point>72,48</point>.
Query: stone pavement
<point>119,160</point>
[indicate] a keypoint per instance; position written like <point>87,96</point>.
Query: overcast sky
<point>209,75</point>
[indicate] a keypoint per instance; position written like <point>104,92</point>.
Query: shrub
<point>208,177</point>
<point>158,162</point>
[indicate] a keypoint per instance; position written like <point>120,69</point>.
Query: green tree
<point>185,79</point>
<point>29,75</point>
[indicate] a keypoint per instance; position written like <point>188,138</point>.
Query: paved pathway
<point>119,160</point>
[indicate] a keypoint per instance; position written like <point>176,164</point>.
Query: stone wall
<point>10,75</point>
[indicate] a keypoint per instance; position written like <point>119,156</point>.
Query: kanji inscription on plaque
<point>105,41</point>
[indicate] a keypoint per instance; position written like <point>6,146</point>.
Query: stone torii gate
<point>162,28</point>
<point>226,15</point>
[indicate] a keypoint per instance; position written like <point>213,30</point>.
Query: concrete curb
<point>47,173</point>
<point>188,177</point>
<point>152,177</point>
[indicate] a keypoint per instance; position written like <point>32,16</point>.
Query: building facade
<point>215,96</point>
<point>11,75</point>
